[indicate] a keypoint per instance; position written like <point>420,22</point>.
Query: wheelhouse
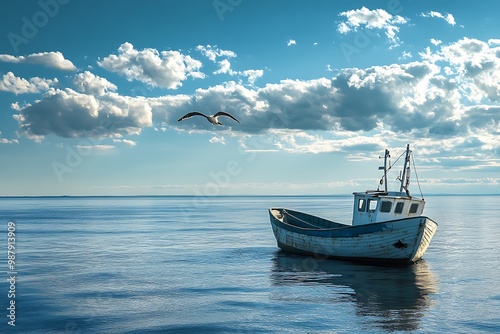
<point>378,206</point>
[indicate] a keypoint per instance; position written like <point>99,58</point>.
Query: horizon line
<point>235,195</point>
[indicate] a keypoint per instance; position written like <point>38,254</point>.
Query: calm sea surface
<point>211,265</point>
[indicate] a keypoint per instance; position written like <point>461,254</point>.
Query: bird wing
<point>223,113</point>
<point>191,114</point>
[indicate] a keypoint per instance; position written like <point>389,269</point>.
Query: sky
<point>91,91</point>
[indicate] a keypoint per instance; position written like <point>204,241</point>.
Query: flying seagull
<point>212,119</point>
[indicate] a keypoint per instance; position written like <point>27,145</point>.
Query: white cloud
<point>461,181</point>
<point>447,17</point>
<point>474,64</point>
<point>405,55</point>
<point>213,52</point>
<point>449,98</point>
<point>494,41</point>
<point>450,19</point>
<point>371,19</point>
<point>49,59</point>
<point>291,42</point>
<point>302,142</point>
<point>162,127</point>
<point>225,68</point>
<point>252,75</point>
<point>128,142</point>
<point>8,141</point>
<point>436,41</point>
<point>402,96</point>
<point>166,69</point>
<point>320,104</point>
<point>89,83</point>
<point>68,113</point>
<point>218,140</point>
<point>431,98</point>
<point>343,28</point>
<point>11,83</point>
<point>95,147</point>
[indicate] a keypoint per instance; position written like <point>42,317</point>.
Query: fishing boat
<point>387,226</point>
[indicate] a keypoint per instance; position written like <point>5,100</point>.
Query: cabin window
<point>399,207</point>
<point>385,206</point>
<point>361,205</point>
<point>414,208</point>
<point>372,205</point>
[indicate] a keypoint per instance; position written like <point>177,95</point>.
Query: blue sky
<point>90,94</point>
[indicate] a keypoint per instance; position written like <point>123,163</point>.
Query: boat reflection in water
<point>391,298</point>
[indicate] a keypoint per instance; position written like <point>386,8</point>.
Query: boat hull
<point>402,241</point>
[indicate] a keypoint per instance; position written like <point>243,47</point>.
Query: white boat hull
<point>401,241</point>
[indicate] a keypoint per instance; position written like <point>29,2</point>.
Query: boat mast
<point>385,168</point>
<point>406,173</point>
<point>386,155</point>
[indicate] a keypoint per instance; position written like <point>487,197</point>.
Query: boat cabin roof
<point>379,193</point>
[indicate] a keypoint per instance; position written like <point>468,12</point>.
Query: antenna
<point>405,179</point>
<point>386,155</point>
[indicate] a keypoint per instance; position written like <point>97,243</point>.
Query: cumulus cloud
<point>68,113</point>
<point>377,19</point>
<point>475,64</point>
<point>447,17</point>
<point>251,75</point>
<point>449,94</point>
<point>91,84</point>
<point>402,97</point>
<point>224,67</point>
<point>435,97</point>
<point>48,59</point>
<point>166,69</point>
<point>291,42</point>
<point>213,52</point>
<point>11,83</point>
<point>436,41</point>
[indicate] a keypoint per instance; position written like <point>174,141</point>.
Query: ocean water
<point>211,265</point>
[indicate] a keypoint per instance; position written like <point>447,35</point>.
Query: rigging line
<point>397,159</point>
<point>416,176</point>
<point>391,165</point>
